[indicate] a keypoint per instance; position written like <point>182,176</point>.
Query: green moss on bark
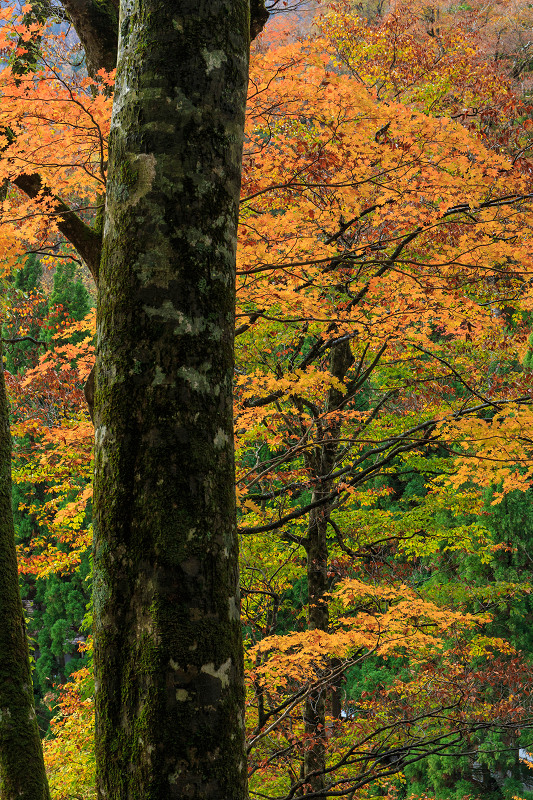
<point>168,651</point>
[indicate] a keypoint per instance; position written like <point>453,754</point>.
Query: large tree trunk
<point>22,773</point>
<point>168,651</point>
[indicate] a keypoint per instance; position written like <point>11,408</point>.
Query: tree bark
<point>168,650</point>
<point>22,772</point>
<point>317,619</point>
<point>96,23</point>
<point>317,568</point>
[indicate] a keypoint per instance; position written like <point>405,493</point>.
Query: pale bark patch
<point>220,674</point>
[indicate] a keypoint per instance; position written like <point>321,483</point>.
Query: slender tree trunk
<point>22,773</point>
<point>317,569</point>
<point>317,619</point>
<point>168,650</point>
<point>336,688</point>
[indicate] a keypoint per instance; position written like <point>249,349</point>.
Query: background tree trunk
<point>22,773</point>
<point>321,466</point>
<point>168,651</point>
<point>317,619</point>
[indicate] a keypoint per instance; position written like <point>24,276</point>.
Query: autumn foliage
<point>384,312</point>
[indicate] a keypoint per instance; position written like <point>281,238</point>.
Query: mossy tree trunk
<point>22,773</point>
<point>168,650</point>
